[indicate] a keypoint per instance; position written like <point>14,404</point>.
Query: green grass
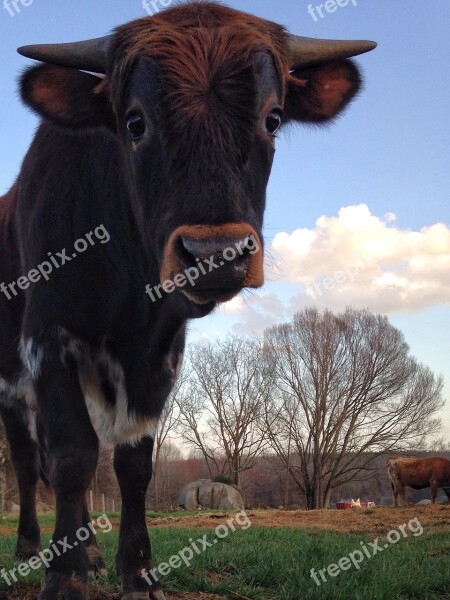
<point>275,564</point>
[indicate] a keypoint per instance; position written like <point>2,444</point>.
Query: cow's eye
<point>135,125</point>
<point>273,122</point>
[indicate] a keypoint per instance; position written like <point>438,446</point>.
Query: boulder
<point>205,493</point>
<point>442,500</point>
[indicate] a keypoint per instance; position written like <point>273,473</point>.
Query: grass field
<point>272,558</point>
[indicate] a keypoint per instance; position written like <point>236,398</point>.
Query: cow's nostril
<point>199,248</point>
<point>226,248</point>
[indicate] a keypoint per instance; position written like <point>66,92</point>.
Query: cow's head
<point>196,96</point>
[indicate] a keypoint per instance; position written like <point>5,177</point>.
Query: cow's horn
<point>90,55</point>
<point>307,51</point>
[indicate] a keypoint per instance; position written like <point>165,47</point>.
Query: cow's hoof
<point>23,554</point>
<point>97,571</point>
<point>26,549</point>
<point>95,574</point>
<point>157,595</point>
<point>59,586</point>
<point>97,566</point>
<point>67,594</point>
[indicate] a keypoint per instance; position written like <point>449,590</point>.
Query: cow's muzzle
<point>213,263</point>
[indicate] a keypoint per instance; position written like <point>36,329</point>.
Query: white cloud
<point>257,311</point>
<point>362,260</point>
<point>352,259</point>
<point>233,306</point>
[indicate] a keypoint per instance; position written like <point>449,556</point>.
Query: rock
<point>442,500</point>
<point>205,493</point>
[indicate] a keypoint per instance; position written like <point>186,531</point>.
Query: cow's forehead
<point>202,15</point>
<point>203,36</point>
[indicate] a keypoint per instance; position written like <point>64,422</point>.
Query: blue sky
<point>378,179</point>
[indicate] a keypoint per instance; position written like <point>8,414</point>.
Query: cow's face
<point>196,96</point>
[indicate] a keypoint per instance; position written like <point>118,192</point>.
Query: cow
<point>418,473</point>
<point>154,149</point>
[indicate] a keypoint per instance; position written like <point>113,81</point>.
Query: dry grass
<point>354,521</point>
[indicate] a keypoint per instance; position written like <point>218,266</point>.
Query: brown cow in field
<point>418,473</point>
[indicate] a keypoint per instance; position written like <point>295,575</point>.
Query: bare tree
<point>346,391</point>
<point>221,405</point>
<point>104,486</point>
<point>166,427</point>
<point>439,446</point>
<point>168,484</point>
<point>193,429</point>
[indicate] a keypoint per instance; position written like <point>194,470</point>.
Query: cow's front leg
<point>395,493</point>
<point>24,452</point>
<point>434,490</point>
<point>73,453</point>
<point>133,466</point>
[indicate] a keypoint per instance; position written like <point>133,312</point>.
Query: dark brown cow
<point>162,164</point>
<point>418,473</point>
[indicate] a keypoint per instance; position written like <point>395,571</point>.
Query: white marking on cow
<point>14,391</point>
<point>7,388</point>
<point>113,423</point>
<point>32,355</point>
<point>18,396</point>
<point>394,477</point>
<point>32,426</point>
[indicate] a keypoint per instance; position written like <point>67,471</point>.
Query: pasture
<point>272,559</point>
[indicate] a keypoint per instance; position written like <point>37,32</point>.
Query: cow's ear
<point>319,93</point>
<point>67,97</point>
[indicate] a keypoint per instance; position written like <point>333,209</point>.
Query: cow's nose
<point>224,250</point>
<point>217,260</point>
